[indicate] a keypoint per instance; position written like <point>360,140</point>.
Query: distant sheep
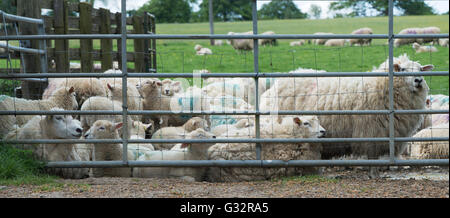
<point>53,127</point>
<point>264,42</point>
<point>413,31</point>
<point>218,42</point>
<point>368,93</point>
<point>419,48</point>
<point>364,30</point>
<point>178,132</point>
<point>320,41</point>
<point>297,43</point>
<point>431,149</point>
<point>335,42</point>
<point>241,44</point>
<point>202,51</point>
<point>63,98</point>
<point>443,42</point>
<point>291,127</point>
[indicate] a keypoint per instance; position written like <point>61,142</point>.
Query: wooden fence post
<point>86,44</point>
<point>138,26</point>
<point>119,41</point>
<point>30,8</point>
<point>61,26</point>
<point>106,44</point>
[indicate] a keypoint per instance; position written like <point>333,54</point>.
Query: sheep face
<point>148,86</point>
<point>198,47</point>
<point>141,129</point>
<point>199,134</point>
<point>416,84</point>
<point>103,129</point>
<point>169,87</point>
<point>64,126</point>
<point>196,123</point>
<point>308,126</point>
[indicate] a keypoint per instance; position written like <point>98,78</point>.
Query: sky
<point>440,6</point>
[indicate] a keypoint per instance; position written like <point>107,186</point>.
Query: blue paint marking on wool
<point>3,97</point>
<point>217,120</point>
<point>182,102</point>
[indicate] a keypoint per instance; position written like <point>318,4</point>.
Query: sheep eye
<point>402,69</point>
<point>101,128</point>
<point>306,123</point>
<point>59,118</point>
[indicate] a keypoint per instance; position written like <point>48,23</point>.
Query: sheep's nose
<point>79,130</point>
<point>417,80</point>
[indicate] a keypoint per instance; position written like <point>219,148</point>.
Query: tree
<point>8,6</point>
<point>168,11</point>
<point>315,11</point>
<point>226,10</point>
<point>280,9</point>
<point>359,8</point>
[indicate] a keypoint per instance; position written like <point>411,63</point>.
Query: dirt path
<point>430,183</point>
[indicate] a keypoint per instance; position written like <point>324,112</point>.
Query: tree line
<point>181,11</point>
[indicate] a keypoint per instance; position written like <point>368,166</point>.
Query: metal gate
<point>257,113</point>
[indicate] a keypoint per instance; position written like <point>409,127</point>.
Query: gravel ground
<point>335,183</point>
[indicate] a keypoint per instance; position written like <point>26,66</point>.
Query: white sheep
<point>178,132</point>
<point>83,87</point>
<point>366,93</point>
<point>241,44</point>
<point>104,129</point>
<point>182,151</point>
<point>150,90</point>
<point>202,51</point>
<point>53,127</point>
<point>297,43</point>
<point>402,64</point>
<point>140,130</point>
<point>218,42</point>
<point>134,99</point>
<point>419,48</point>
<point>291,127</point>
<point>193,99</point>
<point>335,42</point>
<point>431,149</point>
<point>63,98</point>
<point>102,103</point>
<point>364,30</point>
<point>320,41</point>
<point>227,129</point>
<point>413,31</point>
<point>170,87</point>
<point>443,42</point>
<point>429,30</point>
<point>267,41</point>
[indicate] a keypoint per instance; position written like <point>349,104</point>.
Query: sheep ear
<point>297,121</point>
<point>71,90</point>
<point>118,125</point>
<point>109,86</point>
<point>194,122</point>
<point>428,67</point>
<point>177,83</point>
<point>185,145</point>
<point>396,67</point>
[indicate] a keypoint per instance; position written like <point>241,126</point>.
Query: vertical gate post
<point>211,20</point>
<point>256,70</point>
<point>30,8</point>
<point>86,44</point>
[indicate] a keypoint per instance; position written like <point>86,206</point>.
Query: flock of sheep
<point>417,43</point>
<point>227,94</point>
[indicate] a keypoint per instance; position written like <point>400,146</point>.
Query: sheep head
<point>103,129</point>
<point>61,126</point>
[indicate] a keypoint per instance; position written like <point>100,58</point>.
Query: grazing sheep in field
<point>335,42</point>
<point>182,151</point>
<point>291,127</point>
<point>364,30</point>
<point>178,132</point>
<point>104,129</point>
<point>443,42</point>
<point>264,42</point>
<point>431,149</point>
<point>170,87</point>
<point>241,44</point>
<point>202,51</point>
<point>321,41</point>
<point>413,31</point>
<point>63,98</point>
<point>83,87</point>
<point>53,127</point>
<point>419,49</point>
<point>218,42</point>
<point>367,93</point>
<point>297,43</point>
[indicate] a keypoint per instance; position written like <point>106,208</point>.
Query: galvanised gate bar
<point>257,113</point>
